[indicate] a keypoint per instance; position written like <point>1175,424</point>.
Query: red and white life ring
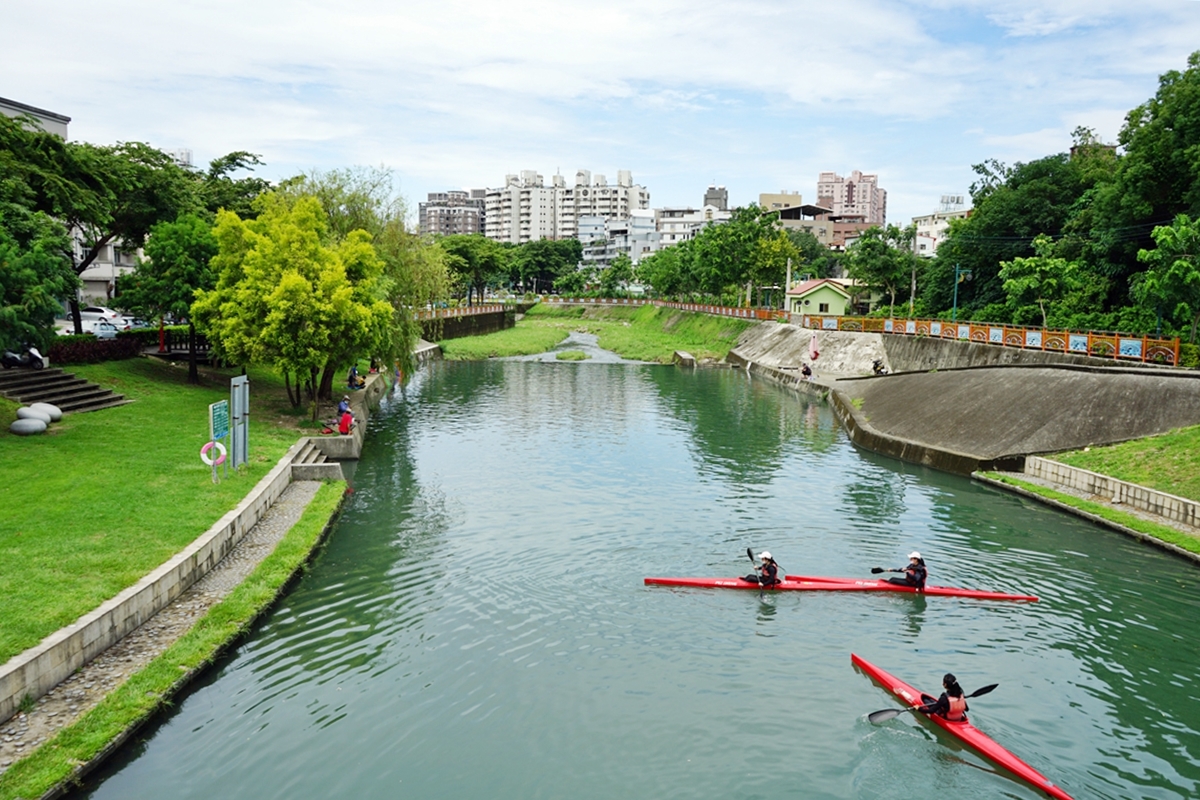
<point>220,453</point>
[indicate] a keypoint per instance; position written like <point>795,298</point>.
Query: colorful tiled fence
<point>1117,346</point>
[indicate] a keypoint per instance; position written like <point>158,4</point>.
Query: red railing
<point>1117,346</point>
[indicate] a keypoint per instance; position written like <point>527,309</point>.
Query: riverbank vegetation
<point>1103,237</point>
<point>641,333</point>
<point>108,496</point>
<point>1168,463</point>
<point>152,687</point>
<point>1161,532</point>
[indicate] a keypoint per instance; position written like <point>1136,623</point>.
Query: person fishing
<point>767,571</point>
<point>914,573</point>
<point>952,704</point>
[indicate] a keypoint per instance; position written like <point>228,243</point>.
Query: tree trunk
<point>193,371</point>
<point>287,384</point>
<point>325,390</point>
<point>313,384</point>
<point>75,317</point>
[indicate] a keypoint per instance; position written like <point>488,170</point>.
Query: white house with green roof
<point>823,296</point>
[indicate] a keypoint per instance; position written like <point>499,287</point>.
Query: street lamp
<point>959,275</point>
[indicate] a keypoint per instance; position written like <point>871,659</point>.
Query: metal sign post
<point>239,396</point>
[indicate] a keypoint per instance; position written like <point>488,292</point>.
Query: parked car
<point>92,313</point>
<point>99,328</point>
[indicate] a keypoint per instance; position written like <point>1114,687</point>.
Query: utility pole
<point>959,275</point>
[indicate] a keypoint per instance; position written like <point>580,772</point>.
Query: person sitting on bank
<point>354,380</point>
<point>345,423</point>
<point>952,704</point>
<point>767,571</point>
<point>914,574</point>
<point>806,371</point>
<point>343,406</point>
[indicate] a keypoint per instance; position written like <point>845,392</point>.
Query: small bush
<point>90,350</point>
<point>1189,356</point>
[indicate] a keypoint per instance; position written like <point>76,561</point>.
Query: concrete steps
<point>63,389</point>
<point>310,464</point>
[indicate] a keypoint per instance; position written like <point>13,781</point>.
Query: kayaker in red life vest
<point>768,571</point>
<point>914,574</point>
<point>951,705</point>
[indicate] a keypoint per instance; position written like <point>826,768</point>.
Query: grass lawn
<point>1162,532</point>
<point>643,333</point>
<point>1169,463</point>
<point>572,355</point>
<point>105,497</point>
<point>151,687</point>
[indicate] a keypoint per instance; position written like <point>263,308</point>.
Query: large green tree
<point>1041,279</point>
<point>536,265</point>
<point>882,259</point>
<point>1171,284</point>
<point>35,274</point>
<point>285,296</point>
<point>475,261</point>
<point>177,265</point>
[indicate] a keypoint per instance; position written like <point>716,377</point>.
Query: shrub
<point>88,349</point>
<point>1189,356</point>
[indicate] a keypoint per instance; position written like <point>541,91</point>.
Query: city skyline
<point>756,97</point>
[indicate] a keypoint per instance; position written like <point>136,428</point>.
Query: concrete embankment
<point>990,412</point>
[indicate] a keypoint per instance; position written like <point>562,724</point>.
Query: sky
<point>756,96</point>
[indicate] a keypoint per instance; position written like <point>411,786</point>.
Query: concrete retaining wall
<point>1177,509</point>
<point>436,330</point>
<point>920,353</point>
<point>42,667</point>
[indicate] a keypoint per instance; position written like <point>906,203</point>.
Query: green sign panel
<point>218,420</point>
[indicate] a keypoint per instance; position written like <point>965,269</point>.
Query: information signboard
<point>218,420</point>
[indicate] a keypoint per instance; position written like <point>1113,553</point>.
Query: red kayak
<point>806,583</point>
<point>964,731</point>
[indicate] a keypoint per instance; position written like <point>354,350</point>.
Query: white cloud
<point>758,95</point>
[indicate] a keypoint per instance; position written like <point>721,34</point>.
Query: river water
<point>477,625</point>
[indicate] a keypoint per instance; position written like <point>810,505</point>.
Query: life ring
<point>220,450</point>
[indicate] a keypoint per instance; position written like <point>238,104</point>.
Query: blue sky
<point>757,95</point>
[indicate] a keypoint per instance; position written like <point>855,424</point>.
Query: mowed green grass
<point>642,333</point>
<point>1169,463</point>
<point>105,497</point>
<point>152,687</point>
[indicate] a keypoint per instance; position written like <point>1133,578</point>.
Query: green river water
<point>477,625</point>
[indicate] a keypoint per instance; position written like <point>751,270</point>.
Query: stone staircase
<point>310,464</point>
<point>58,388</point>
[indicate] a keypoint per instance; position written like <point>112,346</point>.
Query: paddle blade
<point>983,691</point>
<point>750,555</point>
<point>877,570</point>
<point>876,717</point>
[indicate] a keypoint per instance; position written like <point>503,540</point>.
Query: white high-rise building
<point>932,228</point>
<point>856,195</point>
<point>525,208</point>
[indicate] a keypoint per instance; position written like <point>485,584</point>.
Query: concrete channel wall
<point>1177,509</point>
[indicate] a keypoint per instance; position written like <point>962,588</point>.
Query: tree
<point>415,273</point>
<point>539,263</point>
<point>287,298</point>
<point>1173,278</point>
<point>812,257</point>
<point>35,275</point>
<point>475,259</point>
<point>1042,278</point>
<point>882,259</point>
<point>219,190</point>
<point>177,266</point>
<point>616,277</point>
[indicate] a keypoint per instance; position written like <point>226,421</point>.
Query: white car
<point>101,329</point>
<point>93,313</point>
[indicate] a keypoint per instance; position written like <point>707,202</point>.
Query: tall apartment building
<point>525,208</point>
<point>678,224</point>
<point>777,201</point>
<point>455,211</point>
<point>857,195</point>
<point>717,197</point>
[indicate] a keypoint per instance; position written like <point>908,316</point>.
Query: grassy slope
<point>151,687</point>
<point>1162,532</point>
<point>107,496</point>
<point>1169,463</point>
<point>644,333</point>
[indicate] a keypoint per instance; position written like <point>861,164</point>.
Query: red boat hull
<point>806,583</point>
<point>964,731</point>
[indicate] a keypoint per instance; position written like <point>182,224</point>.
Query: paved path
<point>70,699</point>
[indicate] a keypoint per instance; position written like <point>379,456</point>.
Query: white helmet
<point>764,556</point>
<point>915,554</point>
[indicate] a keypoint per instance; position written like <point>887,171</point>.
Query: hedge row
<point>88,349</point>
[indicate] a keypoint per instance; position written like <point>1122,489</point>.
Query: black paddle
<point>877,570</point>
<point>876,717</point>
